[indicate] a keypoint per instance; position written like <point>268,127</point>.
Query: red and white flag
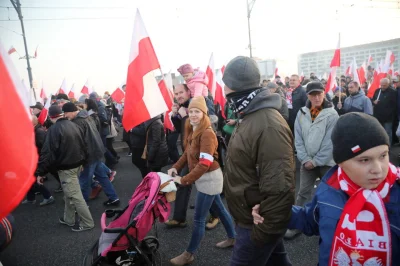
<point>45,111</point>
<point>143,98</point>
<point>17,142</point>
<point>35,56</point>
<point>12,50</point>
<point>301,76</point>
<point>71,93</point>
<point>349,70</point>
<point>87,89</point>
<point>165,86</point>
<point>210,73</point>
<point>355,72</point>
<point>219,92</point>
<point>375,84</point>
<point>118,95</point>
<point>42,93</point>
<point>335,63</point>
<point>361,73</point>
<point>276,72</point>
<point>63,88</point>
<point>369,60</point>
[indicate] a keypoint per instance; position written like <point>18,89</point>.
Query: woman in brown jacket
<point>201,156</point>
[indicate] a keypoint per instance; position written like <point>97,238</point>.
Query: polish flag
<point>86,88</point>
<point>349,70</point>
<point>71,93</point>
<point>389,60</point>
<point>36,52</point>
<point>118,95</point>
<point>375,84</point>
<point>12,50</point>
<point>301,76</point>
<point>63,88</point>
<point>143,98</point>
<point>17,142</point>
<point>361,73</point>
<point>165,86</point>
<point>43,114</point>
<point>396,73</point>
<point>42,93</point>
<point>369,60</point>
<point>276,70</point>
<point>335,63</point>
<point>210,73</point>
<point>355,72</point>
<point>219,92</point>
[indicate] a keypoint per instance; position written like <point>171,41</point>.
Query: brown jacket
<point>260,169</point>
<point>205,142</point>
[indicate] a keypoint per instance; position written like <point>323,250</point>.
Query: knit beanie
<point>356,133</point>
<point>69,107</point>
<point>184,69</point>
<point>200,103</point>
<point>241,73</point>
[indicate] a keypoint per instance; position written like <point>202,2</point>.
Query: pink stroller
<point>124,240</point>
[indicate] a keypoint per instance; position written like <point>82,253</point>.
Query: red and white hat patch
<point>356,149</point>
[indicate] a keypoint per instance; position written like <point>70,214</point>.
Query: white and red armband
<point>206,159</point>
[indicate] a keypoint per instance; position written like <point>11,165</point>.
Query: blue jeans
<point>246,252</point>
<point>203,204</point>
<point>388,126</point>
<point>101,172</point>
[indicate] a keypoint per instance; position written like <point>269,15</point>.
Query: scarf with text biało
<point>362,235</point>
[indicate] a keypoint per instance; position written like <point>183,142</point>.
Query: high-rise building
<point>318,62</point>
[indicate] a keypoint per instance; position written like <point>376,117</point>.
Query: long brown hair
<point>204,124</point>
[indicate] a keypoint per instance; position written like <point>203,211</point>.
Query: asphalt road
<point>41,241</point>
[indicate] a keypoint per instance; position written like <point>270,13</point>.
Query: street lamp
<point>250,5</point>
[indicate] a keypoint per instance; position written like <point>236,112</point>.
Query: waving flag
<point>71,93</point>
<point>165,86</point>
<point>35,56</point>
<point>17,142</point>
<point>210,72</point>
<point>219,92</point>
<point>45,111</point>
<point>63,88</point>
<point>355,72</point>
<point>335,63</point>
<point>86,88</point>
<point>12,50</point>
<point>118,95</point>
<point>143,98</point>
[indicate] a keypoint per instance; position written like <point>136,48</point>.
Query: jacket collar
<point>263,100</point>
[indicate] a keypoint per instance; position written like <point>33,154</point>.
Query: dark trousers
<point>55,174</point>
<point>245,252</point>
<point>37,188</point>
<point>139,162</point>
<point>173,153</point>
<point>110,147</point>
<point>182,200</point>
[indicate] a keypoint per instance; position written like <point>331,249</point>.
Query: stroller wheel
<point>150,244</point>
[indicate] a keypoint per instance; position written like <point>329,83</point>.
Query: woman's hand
<point>231,122</point>
<point>177,179</point>
<point>257,218</point>
<point>172,172</point>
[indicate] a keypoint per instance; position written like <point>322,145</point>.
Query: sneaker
<point>230,242</point>
<point>78,228</point>
<point>95,192</point>
<point>29,202</point>
<point>37,193</point>
<point>115,202</point>
<point>61,220</point>
<point>111,176</point>
<point>58,190</point>
<point>47,201</point>
<point>212,223</point>
<point>129,154</point>
<point>291,234</point>
<point>175,224</point>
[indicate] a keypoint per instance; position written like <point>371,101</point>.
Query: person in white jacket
<point>313,128</point>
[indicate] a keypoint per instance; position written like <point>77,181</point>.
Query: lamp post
<point>17,6</point>
<point>249,9</point>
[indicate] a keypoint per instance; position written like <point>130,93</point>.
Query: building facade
<point>318,62</point>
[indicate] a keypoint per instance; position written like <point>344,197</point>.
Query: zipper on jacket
<point>330,205</point>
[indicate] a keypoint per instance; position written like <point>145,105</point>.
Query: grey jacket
<point>357,103</point>
<point>313,139</point>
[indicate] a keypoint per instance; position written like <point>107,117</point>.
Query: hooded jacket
<point>357,103</point>
<point>260,168</point>
<point>91,136</point>
<point>313,139</point>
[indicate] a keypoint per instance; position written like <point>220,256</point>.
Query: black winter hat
<point>242,73</point>
<point>355,133</point>
<point>55,111</point>
<point>314,86</point>
<point>69,107</point>
<point>62,96</point>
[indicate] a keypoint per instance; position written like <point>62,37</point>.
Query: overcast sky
<point>183,31</point>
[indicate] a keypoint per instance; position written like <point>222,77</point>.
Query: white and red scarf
<point>289,99</point>
<point>362,236</point>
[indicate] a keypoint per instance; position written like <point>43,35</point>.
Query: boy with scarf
<point>355,210</point>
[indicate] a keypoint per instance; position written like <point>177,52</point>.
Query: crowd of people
<point>341,139</point>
